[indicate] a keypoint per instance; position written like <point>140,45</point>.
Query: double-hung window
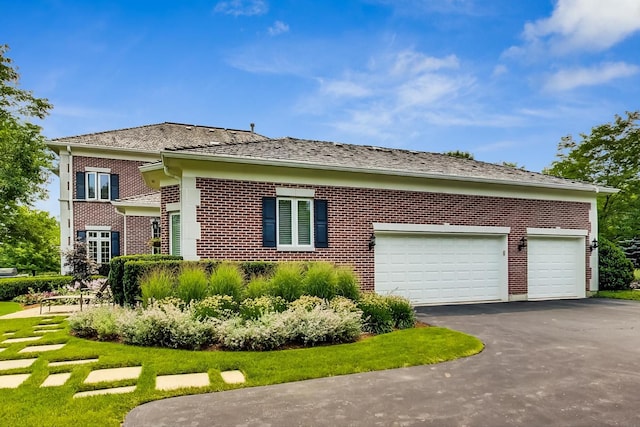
<point>174,233</point>
<point>98,186</point>
<point>99,246</point>
<point>295,223</point>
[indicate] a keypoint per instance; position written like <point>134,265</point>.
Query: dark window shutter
<point>269,222</point>
<point>321,230</point>
<point>80,189</point>
<point>115,187</point>
<point>115,244</point>
<point>81,235</point>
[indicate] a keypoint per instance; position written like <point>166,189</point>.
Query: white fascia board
<point>101,151</point>
<point>438,229</point>
<point>558,232</point>
<point>382,171</point>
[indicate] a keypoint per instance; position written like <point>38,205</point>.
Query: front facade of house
<point>433,228</point>
<point>103,197</point>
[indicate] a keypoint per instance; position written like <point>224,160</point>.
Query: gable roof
<point>364,158</point>
<point>157,137</point>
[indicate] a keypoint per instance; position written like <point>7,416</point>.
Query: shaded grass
<point>628,294</point>
<point>30,405</point>
<point>9,307</point>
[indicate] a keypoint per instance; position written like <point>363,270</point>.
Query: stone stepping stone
<point>55,325</point>
<point>113,374</point>
<point>117,390</point>
<point>47,319</point>
<point>16,364</point>
<point>174,382</point>
<point>12,381</point>
<point>9,334</point>
<point>25,339</point>
<point>56,380</point>
<point>232,377</point>
<point>38,348</point>
<point>2,349</point>
<point>47,330</point>
<point>72,362</point>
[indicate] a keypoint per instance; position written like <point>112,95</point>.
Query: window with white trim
<point>294,223</point>
<point>99,246</point>
<point>98,186</point>
<point>174,233</point>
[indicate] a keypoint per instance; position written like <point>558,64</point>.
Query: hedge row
<point>13,287</point>
<point>116,271</point>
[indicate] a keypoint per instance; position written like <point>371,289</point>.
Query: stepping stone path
<point>15,364</point>
<point>72,362</point>
<point>56,380</point>
<point>12,381</point>
<point>232,377</point>
<point>117,390</point>
<point>25,339</point>
<point>2,349</point>
<point>9,334</point>
<point>49,326</point>
<point>37,348</point>
<point>174,382</point>
<point>47,331</point>
<point>113,374</point>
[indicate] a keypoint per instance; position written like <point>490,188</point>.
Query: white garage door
<point>556,267</point>
<point>438,268</point>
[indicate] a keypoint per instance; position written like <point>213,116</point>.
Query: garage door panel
<point>556,267</point>
<point>441,268</point>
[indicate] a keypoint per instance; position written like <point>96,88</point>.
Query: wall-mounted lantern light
<point>155,226</point>
<point>372,241</point>
<point>593,245</point>
<point>522,243</point>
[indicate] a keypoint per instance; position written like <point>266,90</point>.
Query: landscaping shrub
<point>254,308</point>
<point>322,324</point>
<point>341,304</point>
<point>306,302</point>
<point>376,313</point>
<point>320,280</point>
<point>265,333</point>
<point>96,322</point>
<point>192,283</point>
<point>215,306</point>
<point>157,285</point>
<point>347,283</point>
<point>165,325</point>
<point>15,286</point>
<point>117,273</point>
<point>258,286</point>
<point>615,270</point>
<point>227,280</point>
<point>287,281</point>
<point>401,311</point>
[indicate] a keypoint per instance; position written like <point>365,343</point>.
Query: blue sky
<point>502,79</point>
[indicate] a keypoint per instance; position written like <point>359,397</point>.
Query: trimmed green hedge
<point>116,272</point>
<point>135,269</point>
<point>13,287</point>
<point>615,270</point>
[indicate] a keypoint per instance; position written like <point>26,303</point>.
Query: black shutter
<point>80,189</point>
<point>81,235</point>
<point>115,243</point>
<point>320,230</point>
<point>115,187</point>
<point>269,222</point>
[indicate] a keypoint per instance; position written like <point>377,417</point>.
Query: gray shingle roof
<point>157,137</point>
<point>150,199</point>
<point>338,155</point>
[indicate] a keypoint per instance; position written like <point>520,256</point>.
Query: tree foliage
<point>459,154</point>
<point>615,270</point>
<point>34,242</point>
<point>25,161</point>
<point>609,156</point>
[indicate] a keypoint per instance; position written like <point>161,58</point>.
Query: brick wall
<point>231,221</point>
<point>103,213</point>
<point>168,195</point>
<point>139,232</point>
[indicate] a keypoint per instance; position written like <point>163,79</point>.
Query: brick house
<point>434,228</point>
<point>103,198</point>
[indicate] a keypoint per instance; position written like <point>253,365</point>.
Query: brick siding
<point>230,215</point>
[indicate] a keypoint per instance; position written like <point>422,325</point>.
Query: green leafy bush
<point>156,285</point>
<point>227,280</point>
<point>117,273</point>
<point>306,302</point>
<point>265,333</point>
<point>215,306</point>
<point>287,281</point>
<point>615,270</point>
<point>254,308</point>
<point>320,280</point>
<point>99,322</point>
<point>376,314</point>
<point>12,287</point>
<point>401,311</point>
<point>258,286</point>
<point>192,283</point>
<point>347,283</point>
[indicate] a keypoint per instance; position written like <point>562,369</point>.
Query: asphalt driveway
<point>556,363</point>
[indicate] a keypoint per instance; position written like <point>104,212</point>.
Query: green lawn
<point>31,405</point>
<point>630,294</point>
<point>9,307</point>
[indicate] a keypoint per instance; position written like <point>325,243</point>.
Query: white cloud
<point>242,7</point>
<point>572,78</point>
<point>278,28</point>
<point>590,25</point>
<point>344,88</point>
<point>499,70</point>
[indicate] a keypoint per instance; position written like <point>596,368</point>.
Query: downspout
<point>71,225</point>
<point>124,219</point>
